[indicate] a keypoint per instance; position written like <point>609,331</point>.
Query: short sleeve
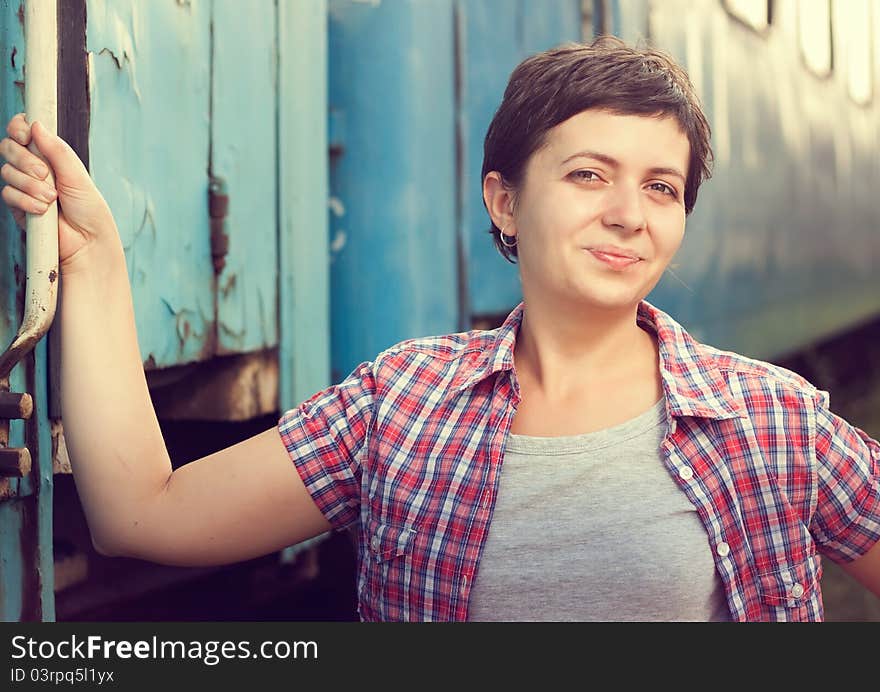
<point>326,437</point>
<point>846,523</point>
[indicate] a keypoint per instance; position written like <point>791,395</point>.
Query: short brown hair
<point>550,87</point>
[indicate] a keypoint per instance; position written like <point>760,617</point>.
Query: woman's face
<point>604,186</point>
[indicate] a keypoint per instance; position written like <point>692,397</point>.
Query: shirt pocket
<point>388,541</point>
<point>389,564</point>
<point>793,586</point>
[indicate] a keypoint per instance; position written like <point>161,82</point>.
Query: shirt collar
<point>692,383</point>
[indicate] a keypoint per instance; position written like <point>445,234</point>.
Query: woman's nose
<point>624,208</point>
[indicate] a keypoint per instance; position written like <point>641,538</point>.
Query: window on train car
<point>814,31</point>
<point>853,19</point>
<point>754,13</point>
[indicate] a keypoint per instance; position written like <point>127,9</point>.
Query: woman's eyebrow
<point>614,163</point>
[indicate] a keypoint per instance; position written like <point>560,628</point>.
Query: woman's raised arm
<point>241,502</point>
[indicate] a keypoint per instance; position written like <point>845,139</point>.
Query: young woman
<point>586,460</point>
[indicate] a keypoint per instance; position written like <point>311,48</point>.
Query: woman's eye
<point>664,188</point>
<point>585,175</point>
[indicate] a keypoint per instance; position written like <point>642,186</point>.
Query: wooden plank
<point>244,153</point>
<point>149,68</point>
<point>304,289</point>
<point>303,227</point>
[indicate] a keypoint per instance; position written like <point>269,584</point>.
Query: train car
<point>297,187</point>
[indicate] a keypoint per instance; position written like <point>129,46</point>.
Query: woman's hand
<point>84,217</point>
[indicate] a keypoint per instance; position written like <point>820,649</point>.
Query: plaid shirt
<point>409,448</point>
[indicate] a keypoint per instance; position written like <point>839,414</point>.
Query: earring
<point>505,243</point>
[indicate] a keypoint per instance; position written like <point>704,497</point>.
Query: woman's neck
<point>560,349</point>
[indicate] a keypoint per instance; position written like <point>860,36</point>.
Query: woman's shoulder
<point>444,346</point>
<point>753,368</point>
<point>760,376</point>
<point>698,357</point>
<point>480,346</point>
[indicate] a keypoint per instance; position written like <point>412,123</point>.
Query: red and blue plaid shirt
<point>409,448</point>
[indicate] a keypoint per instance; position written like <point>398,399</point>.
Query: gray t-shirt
<point>593,527</point>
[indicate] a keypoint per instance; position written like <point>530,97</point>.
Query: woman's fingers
<point>16,199</point>
<point>23,159</point>
<point>26,192</point>
<point>27,184</point>
<point>19,129</point>
<point>69,170</point>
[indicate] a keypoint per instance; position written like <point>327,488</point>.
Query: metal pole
<point>41,103</point>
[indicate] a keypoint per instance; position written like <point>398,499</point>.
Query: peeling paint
<point>147,217</point>
<point>126,58</point>
<point>186,333</point>
<point>14,51</point>
<point>229,331</point>
<point>267,322</point>
<point>339,241</point>
<point>135,30</point>
<point>229,285</point>
<point>243,72</point>
<point>90,73</point>
<point>336,206</point>
<point>112,55</point>
<point>144,59</point>
<point>168,305</point>
<point>182,326</point>
<point>60,456</point>
<point>119,43</point>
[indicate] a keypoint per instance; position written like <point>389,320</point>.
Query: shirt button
<point>686,473</point>
<point>463,587</point>
<point>722,549</point>
<point>374,543</point>
<point>797,591</point>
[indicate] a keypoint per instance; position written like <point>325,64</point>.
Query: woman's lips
<point>614,261</point>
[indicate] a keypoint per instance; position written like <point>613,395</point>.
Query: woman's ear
<point>498,199</point>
